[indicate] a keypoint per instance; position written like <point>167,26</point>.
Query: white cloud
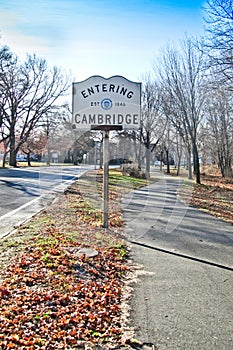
<point>18,41</point>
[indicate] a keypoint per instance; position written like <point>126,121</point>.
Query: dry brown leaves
<point>214,195</point>
<point>51,297</point>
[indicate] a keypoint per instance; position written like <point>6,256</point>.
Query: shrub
<point>133,171</point>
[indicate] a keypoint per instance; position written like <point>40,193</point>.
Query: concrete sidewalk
<point>184,296</point>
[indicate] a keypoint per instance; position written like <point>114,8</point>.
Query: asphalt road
<point>183,298</point>
<point>25,191</point>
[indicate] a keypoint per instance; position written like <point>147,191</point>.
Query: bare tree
<point>49,124</point>
<point>219,28</point>
<point>66,134</point>
<point>175,116</point>
<point>178,151</point>
<point>83,144</point>
<point>183,80</point>
<point>31,89</point>
<point>34,146</point>
<point>219,112</point>
<point>153,120</point>
<point>7,59</point>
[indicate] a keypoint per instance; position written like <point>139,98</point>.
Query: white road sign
<point>99,102</point>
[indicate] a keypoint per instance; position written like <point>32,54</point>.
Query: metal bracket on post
<point>105,179</point>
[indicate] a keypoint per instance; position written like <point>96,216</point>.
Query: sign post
<point>106,104</point>
<point>105,178</point>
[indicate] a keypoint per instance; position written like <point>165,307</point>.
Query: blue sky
<point>98,37</point>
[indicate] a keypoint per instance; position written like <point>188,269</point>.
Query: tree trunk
<point>147,163</point>
<point>196,163</point>
<point>228,170</point>
<point>161,160</point>
<point>178,164</point>
<point>224,162</point>
<point>225,167</point>
<point>139,153</point>
<point>48,155</point>
<point>167,161</point>
<point>189,163</point>
<point>13,161</point>
<point>179,153</point>
<point>13,151</point>
<point>75,156</point>
<point>4,159</point>
<point>69,157</point>
<point>29,159</point>
<point>101,154</point>
<point>140,156</point>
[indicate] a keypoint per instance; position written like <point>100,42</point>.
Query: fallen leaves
<point>56,301</point>
<point>52,295</point>
<point>214,195</point>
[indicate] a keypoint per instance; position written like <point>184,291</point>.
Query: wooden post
<point>105,179</point>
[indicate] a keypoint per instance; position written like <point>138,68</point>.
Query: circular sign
<point>106,103</point>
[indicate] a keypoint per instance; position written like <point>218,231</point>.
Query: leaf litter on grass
<point>52,294</point>
<point>214,195</point>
